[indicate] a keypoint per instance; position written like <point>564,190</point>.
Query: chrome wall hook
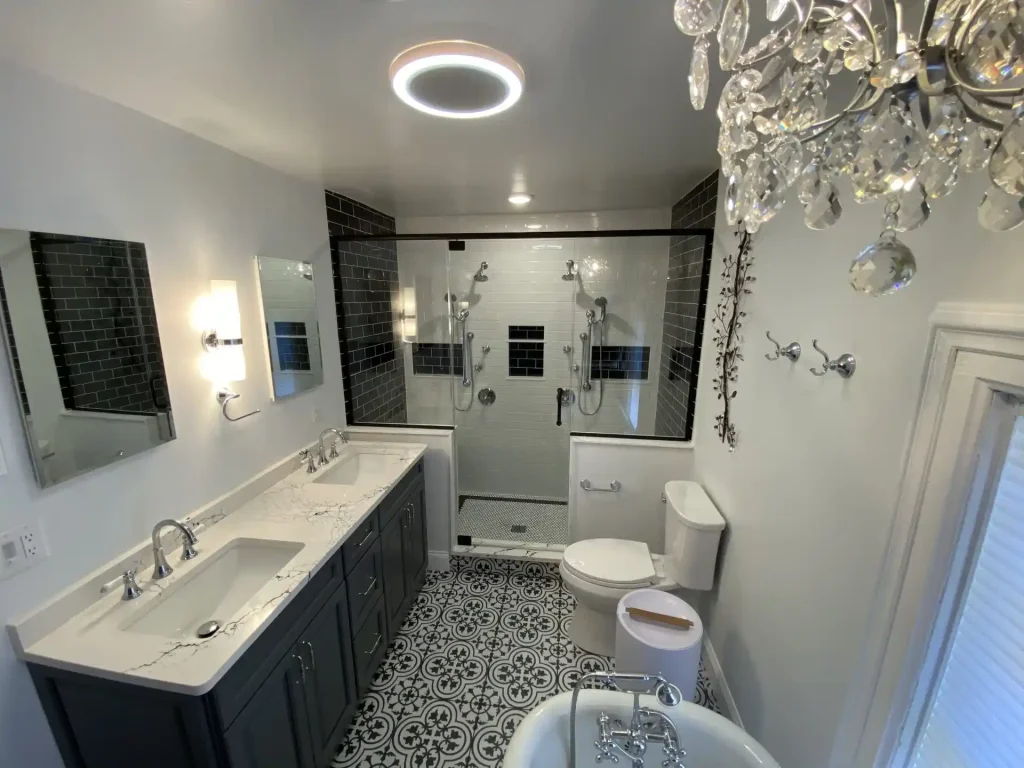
<point>844,365</point>
<point>224,397</point>
<point>791,351</point>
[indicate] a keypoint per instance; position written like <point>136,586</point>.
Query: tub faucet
<point>616,739</point>
<point>160,567</point>
<point>322,453</point>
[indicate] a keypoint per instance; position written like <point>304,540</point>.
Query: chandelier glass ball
<point>930,104</point>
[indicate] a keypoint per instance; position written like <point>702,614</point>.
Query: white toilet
<point>600,571</point>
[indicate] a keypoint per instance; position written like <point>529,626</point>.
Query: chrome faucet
<point>615,739</point>
<point>321,453</point>
<point>188,550</point>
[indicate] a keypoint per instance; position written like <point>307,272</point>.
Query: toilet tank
<point>693,527</point>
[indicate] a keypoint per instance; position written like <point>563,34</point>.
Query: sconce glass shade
<point>409,314</point>
<point>228,363</point>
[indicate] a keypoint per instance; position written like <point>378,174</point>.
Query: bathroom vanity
<point>334,560</point>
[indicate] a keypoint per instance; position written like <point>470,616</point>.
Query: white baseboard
<point>438,561</point>
<point>719,683</point>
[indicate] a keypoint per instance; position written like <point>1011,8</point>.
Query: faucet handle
<point>334,449</point>
<point>131,589</point>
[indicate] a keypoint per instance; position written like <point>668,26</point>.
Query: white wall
<point>811,489</point>
<point>636,512</point>
<point>514,446</point>
<point>71,162</point>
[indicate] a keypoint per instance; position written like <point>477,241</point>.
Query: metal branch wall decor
<point>728,323</point>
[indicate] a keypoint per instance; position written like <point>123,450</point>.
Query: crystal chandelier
<point>924,110</point>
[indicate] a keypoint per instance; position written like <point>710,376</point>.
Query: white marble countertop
<point>296,509</point>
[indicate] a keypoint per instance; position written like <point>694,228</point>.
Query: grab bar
<point>585,362</point>
<point>614,487</point>
<point>467,357</point>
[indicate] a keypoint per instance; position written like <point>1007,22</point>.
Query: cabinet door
<point>395,580</point>
<point>273,729</point>
<point>415,541</point>
<point>330,684</point>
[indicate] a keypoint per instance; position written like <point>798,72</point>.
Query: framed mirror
<point>79,324</point>
<point>292,333</point>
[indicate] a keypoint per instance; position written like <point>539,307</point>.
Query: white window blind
<point>976,716</point>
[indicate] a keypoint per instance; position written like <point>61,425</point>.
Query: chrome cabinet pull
<point>312,656</point>
<point>370,652</point>
<point>614,487</point>
<point>369,589</point>
<point>366,538</point>
<point>302,667</point>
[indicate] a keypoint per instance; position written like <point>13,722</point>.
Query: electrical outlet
<point>21,548</point>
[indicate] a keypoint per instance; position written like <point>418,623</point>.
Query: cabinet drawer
<point>360,541</point>
<point>365,584</point>
<point>368,646</point>
<point>393,501</point>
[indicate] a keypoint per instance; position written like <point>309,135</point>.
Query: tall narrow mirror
<point>79,325</point>
<point>290,322</point>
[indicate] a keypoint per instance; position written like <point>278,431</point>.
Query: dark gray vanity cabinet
<point>272,730</point>
<point>404,550</point>
<point>288,700</point>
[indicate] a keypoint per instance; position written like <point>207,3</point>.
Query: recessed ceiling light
<point>457,79</point>
<point>535,226</point>
<point>519,198</point>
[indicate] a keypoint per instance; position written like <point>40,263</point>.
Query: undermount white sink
<point>710,740</point>
<point>356,466</point>
<point>216,590</point>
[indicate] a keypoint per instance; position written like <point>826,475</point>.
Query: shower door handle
<point>558,407</point>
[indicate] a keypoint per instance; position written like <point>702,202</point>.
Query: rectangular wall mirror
<point>290,323</point>
<point>79,325</point>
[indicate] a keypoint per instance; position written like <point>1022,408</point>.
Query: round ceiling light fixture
<point>519,198</point>
<point>456,79</point>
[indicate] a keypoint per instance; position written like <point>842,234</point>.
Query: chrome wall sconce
<point>225,360</point>
<point>844,365</point>
<point>791,351</point>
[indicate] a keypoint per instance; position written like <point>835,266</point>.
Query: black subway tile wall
<point>526,331</point>
<point>526,358</point>
<point>435,359</point>
<point>685,303</point>
<point>366,300</point>
<point>620,363</point>
<point>99,312</point>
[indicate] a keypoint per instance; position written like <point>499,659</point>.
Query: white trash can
<point>646,647</point>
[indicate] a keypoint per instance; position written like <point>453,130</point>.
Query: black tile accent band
<point>435,359</point>
<point>620,362</point>
<point>525,358</point>
<point>526,332</point>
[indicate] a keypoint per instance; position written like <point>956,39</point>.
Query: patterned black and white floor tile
<point>509,519</point>
<point>483,644</point>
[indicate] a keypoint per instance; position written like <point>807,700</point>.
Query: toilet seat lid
<point>613,562</point>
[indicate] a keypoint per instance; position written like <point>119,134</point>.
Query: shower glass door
<point>511,309</point>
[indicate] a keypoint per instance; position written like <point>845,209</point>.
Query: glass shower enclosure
<point>518,342</point>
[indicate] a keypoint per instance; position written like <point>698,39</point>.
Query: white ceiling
<point>301,85</point>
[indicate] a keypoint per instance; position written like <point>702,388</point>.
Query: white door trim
<point>890,640</point>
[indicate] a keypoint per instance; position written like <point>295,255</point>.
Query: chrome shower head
<point>480,277</point>
<point>570,270</point>
<point>668,695</point>
<point>602,303</point>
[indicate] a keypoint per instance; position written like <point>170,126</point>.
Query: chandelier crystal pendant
<point>929,106</point>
